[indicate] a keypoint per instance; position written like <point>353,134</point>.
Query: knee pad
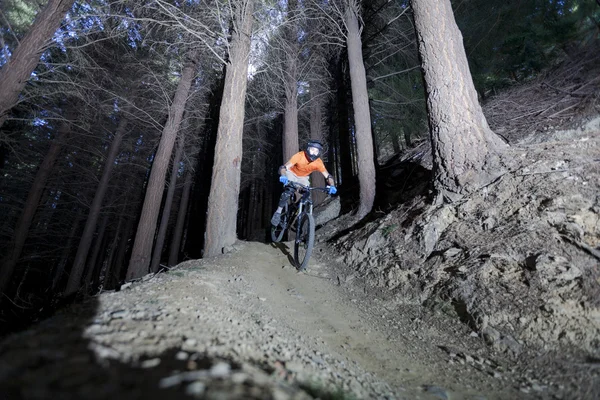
<point>285,196</point>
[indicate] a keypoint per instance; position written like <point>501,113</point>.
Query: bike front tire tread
<point>302,264</point>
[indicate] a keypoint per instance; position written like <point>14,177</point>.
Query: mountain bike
<point>297,216</point>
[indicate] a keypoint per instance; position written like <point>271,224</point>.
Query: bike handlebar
<point>301,186</point>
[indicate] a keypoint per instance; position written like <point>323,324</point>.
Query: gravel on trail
<point>248,325</point>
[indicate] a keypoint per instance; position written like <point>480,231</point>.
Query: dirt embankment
<point>518,261</point>
<point>248,326</point>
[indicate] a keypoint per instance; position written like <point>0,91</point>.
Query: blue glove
<point>283,179</point>
<point>332,190</point>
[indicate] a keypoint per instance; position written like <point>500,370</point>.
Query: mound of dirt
<point>247,325</point>
<point>203,330</point>
<point>517,261</point>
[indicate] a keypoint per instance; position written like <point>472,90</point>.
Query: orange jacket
<point>302,166</point>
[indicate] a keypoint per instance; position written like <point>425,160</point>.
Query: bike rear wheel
<point>305,240</point>
<point>278,231</point>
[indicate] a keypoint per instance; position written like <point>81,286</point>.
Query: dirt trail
<point>247,325</point>
<point>356,329</point>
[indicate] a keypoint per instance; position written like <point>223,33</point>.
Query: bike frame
<point>304,201</point>
<point>298,217</point>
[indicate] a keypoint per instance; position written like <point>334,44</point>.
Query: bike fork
<point>297,216</point>
<point>298,220</point>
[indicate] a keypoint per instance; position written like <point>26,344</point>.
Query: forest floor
<point>248,325</point>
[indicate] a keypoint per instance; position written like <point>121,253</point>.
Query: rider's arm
<point>328,178</point>
<point>284,168</point>
<point>293,161</point>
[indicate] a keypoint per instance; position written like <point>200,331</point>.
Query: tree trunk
<point>33,199</point>
<point>248,200</point>
<point>22,281</point>
<point>99,265</point>
<point>181,214</point>
<point>362,114</point>
<point>144,237</point>
<point>255,209</point>
<point>67,251</point>
<point>225,187</point>
<point>111,256</point>
<point>92,264</point>
<point>290,125</point>
<point>193,240</point>
<point>46,209</point>
<point>259,213</point>
<point>334,136</point>
<point>113,280</point>
<point>242,215</point>
<point>407,138</point>
<point>465,150</point>
<point>290,115</point>
<point>259,167</point>
<point>26,56</point>
<point>90,225</point>
<point>130,203</point>
<point>396,142</point>
<point>347,177</point>
<point>316,133</point>
<point>164,221</point>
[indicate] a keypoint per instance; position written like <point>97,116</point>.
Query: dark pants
<point>285,196</point>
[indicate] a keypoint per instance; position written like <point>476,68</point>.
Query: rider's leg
<point>287,193</point>
<point>285,196</point>
<point>303,180</point>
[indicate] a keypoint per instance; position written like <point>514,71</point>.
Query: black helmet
<point>314,144</point>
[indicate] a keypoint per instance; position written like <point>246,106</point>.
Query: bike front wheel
<point>305,240</point>
<point>278,231</point>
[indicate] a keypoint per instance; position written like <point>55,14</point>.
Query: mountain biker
<point>297,169</point>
